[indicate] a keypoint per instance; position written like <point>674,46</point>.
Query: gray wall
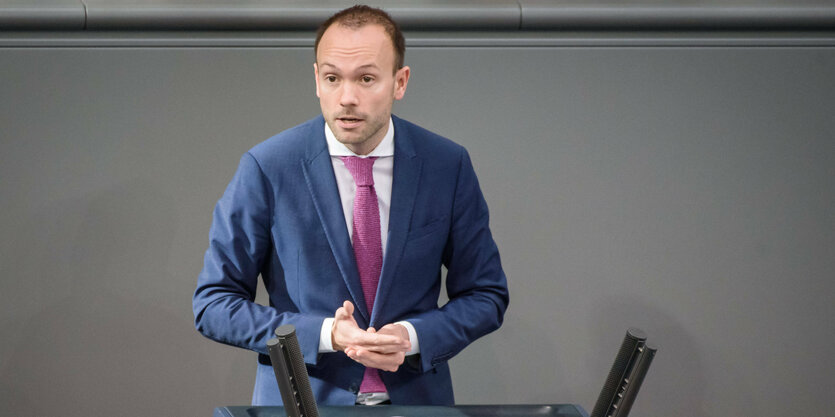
<point>682,183</point>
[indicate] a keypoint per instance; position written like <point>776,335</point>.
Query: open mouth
<point>348,122</point>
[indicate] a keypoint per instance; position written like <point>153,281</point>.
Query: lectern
<point>514,410</point>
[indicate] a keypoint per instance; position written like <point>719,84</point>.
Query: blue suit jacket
<point>281,217</point>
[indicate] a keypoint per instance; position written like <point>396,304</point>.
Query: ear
<point>401,80</point>
<point>316,77</point>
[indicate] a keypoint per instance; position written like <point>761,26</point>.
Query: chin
<point>344,138</point>
<point>349,137</point>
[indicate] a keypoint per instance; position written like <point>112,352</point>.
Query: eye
<point>367,79</point>
<point>330,78</point>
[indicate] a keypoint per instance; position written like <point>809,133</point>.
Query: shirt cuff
<point>325,339</point>
<point>412,337</point>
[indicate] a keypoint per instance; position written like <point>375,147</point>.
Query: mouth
<point>348,122</point>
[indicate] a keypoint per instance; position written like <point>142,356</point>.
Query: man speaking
<point>349,218</point>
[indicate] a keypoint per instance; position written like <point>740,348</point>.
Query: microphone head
<point>635,333</point>
<point>286,330</point>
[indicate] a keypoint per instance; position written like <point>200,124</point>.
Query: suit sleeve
<point>475,283</point>
<point>239,247</point>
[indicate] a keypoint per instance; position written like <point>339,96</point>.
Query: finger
<point>399,331</point>
<point>380,342</point>
<point>345,331</point>
<point>394,329</point>
<point>383,349</point>
<point>384,362</point>
<point>345,312</point>
<point>388,339</point>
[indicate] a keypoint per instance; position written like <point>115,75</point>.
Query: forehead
<point>369,44</point>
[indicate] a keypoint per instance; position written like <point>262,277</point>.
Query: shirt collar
<point>385,148</point>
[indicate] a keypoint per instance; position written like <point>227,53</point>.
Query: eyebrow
<point>325,64</point>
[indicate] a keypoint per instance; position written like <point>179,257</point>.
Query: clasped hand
<point>382,349</point>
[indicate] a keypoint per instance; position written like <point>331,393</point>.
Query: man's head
<point>359,16</point>
<point>359,73</point>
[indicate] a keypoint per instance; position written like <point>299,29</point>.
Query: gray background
<point>680,182</point>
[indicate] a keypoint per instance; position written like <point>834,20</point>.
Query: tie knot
<point>360,169</point>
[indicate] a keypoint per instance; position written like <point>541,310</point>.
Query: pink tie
<point>368,247</point>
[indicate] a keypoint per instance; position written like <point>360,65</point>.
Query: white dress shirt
<point>383,174</point>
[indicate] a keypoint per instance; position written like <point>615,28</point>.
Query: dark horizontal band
<point>459,15</point>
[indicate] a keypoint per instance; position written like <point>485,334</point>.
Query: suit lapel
<point>407,168</point>
<point>318,173</point>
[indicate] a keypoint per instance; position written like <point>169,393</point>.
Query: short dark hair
<point>359,16</point>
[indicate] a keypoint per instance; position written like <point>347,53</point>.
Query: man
<point>348,218</point>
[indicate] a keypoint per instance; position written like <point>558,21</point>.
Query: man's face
<point>356,84</point>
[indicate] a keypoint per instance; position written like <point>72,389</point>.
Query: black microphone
<point>635,378</point>
<point>291,373</point>
<point>625,378</point>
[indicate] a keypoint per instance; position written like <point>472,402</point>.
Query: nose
<point>348,96</point>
